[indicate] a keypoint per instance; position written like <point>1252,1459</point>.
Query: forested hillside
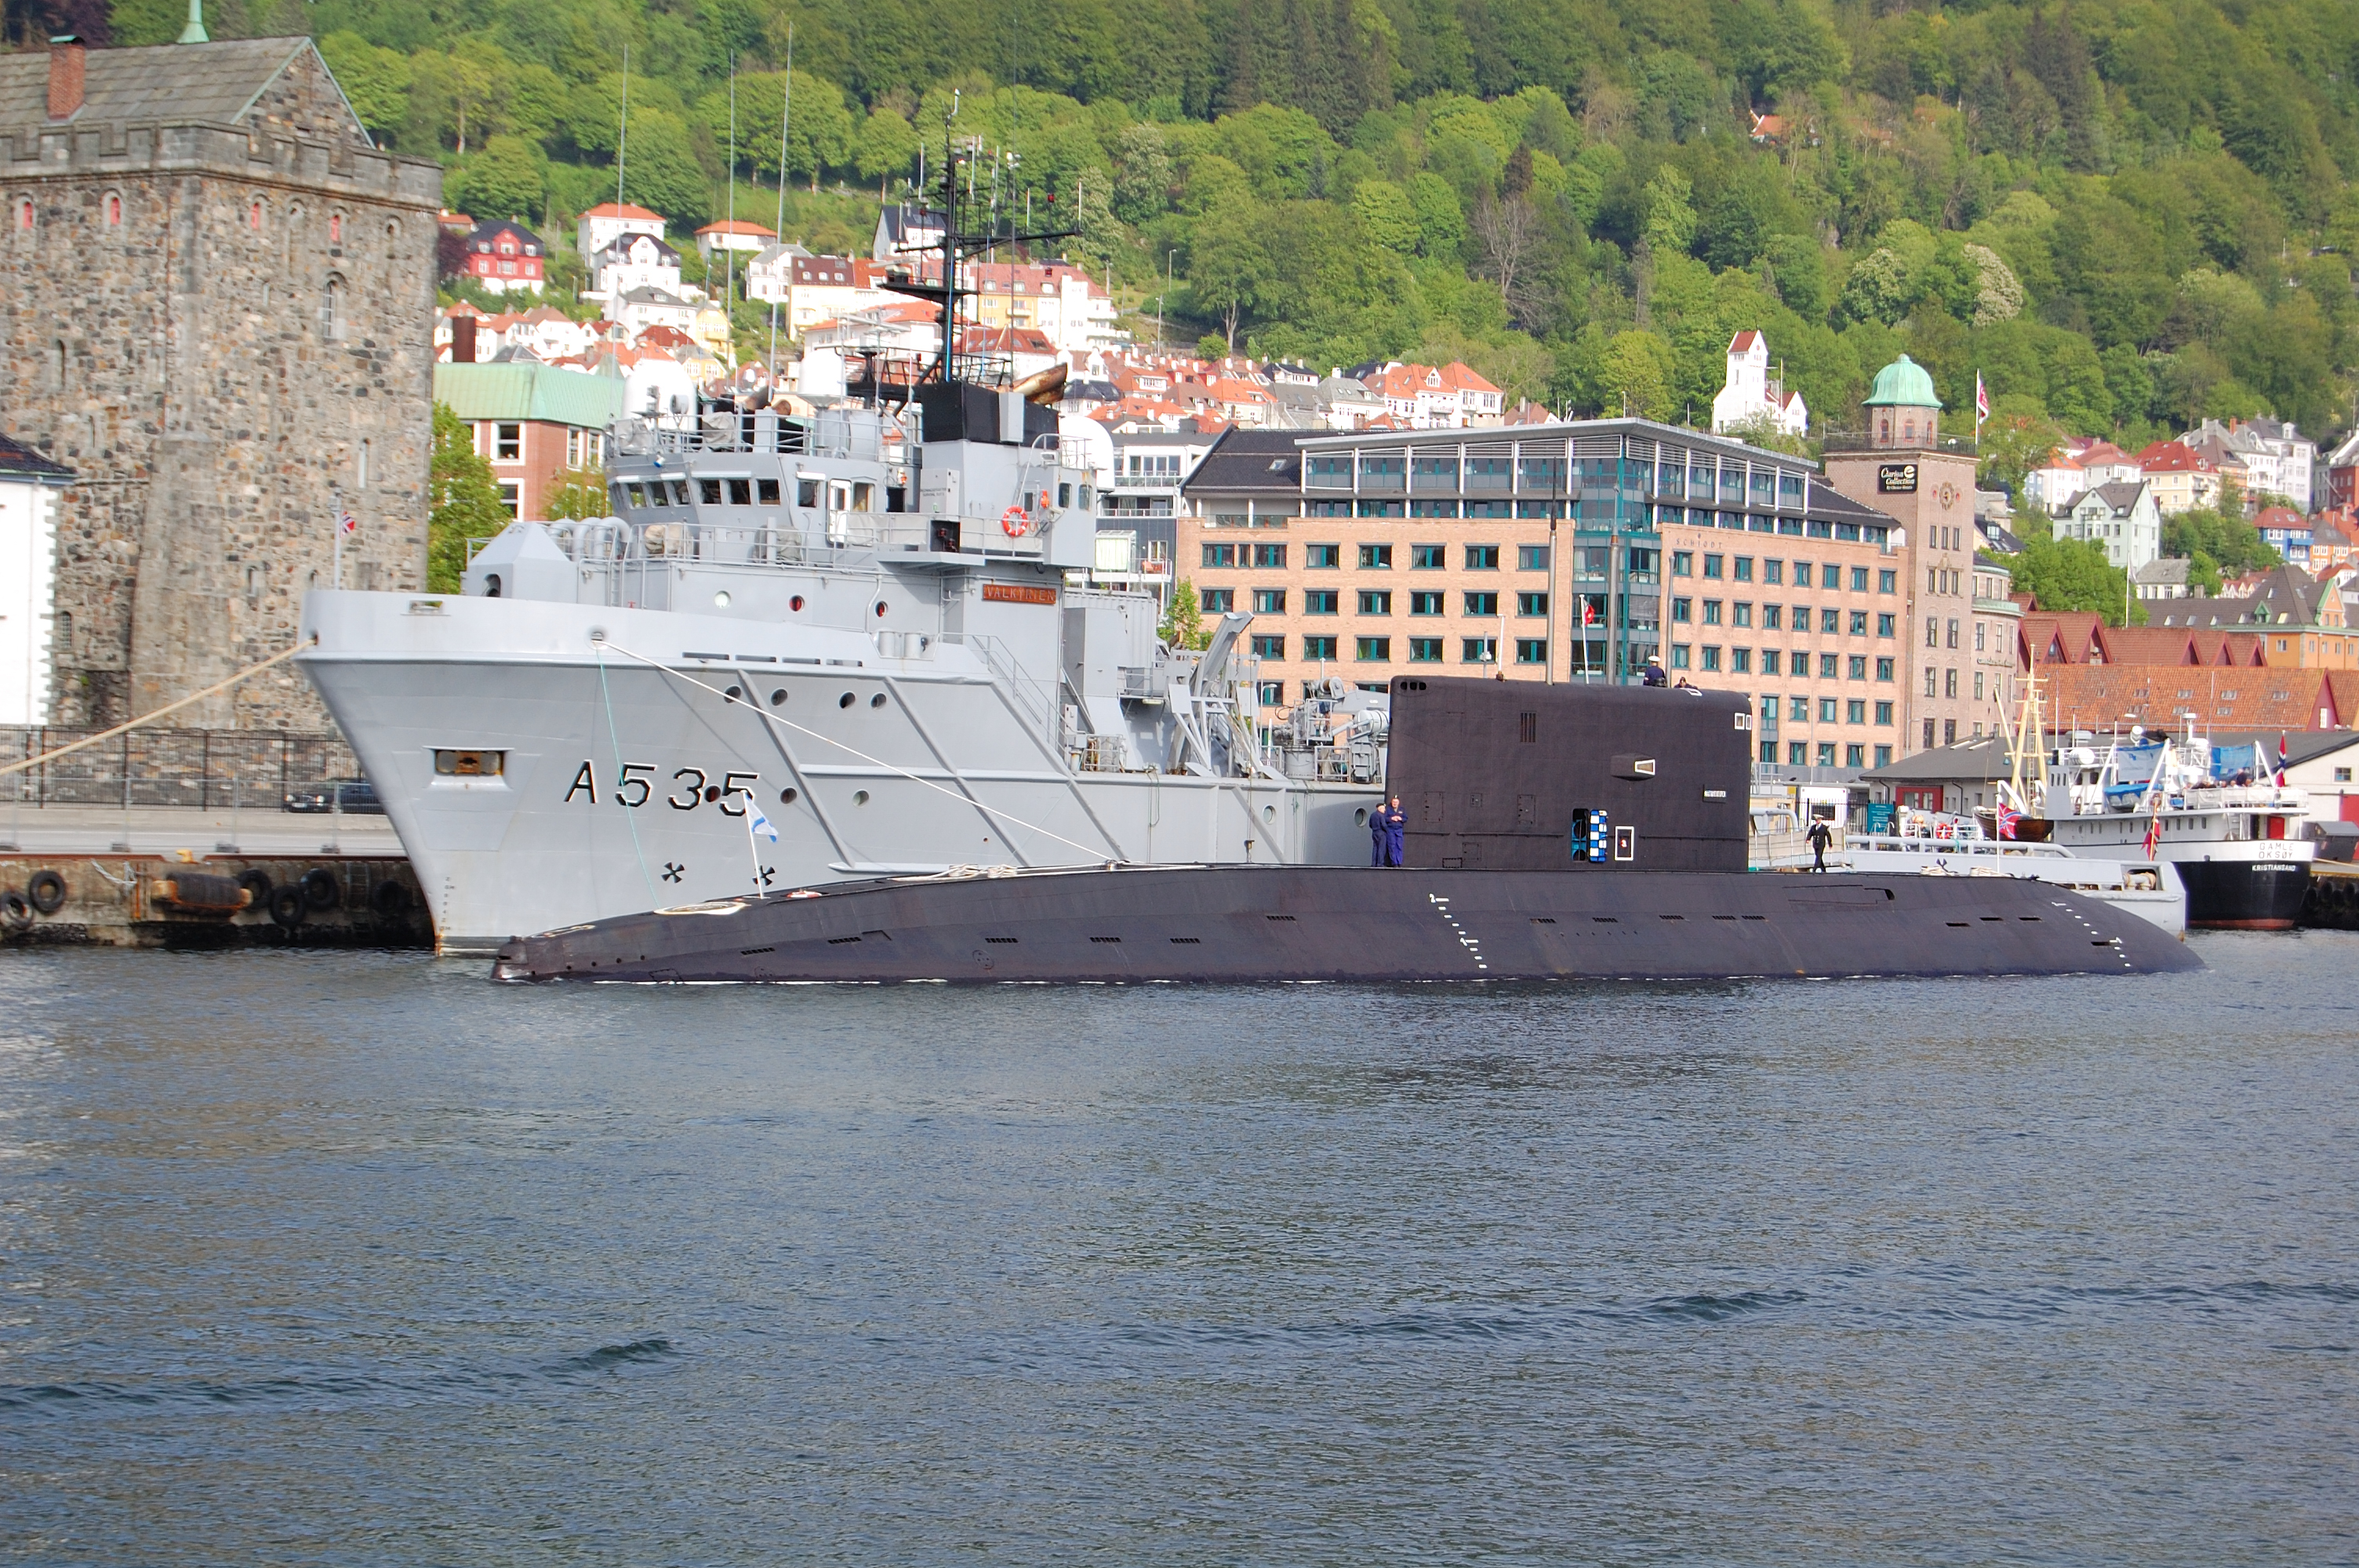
<point>2126,215</point>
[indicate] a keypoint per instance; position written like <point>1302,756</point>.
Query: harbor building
<point>1904,469</point>
<point>1562,552</point>
<point>216,311</point>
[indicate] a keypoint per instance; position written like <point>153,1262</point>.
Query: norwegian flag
<point>2008,818</point>
<point>347,523</point>
<point>2154,827</point>
<point>1588,613</point>
<point>1982,399</point>
<point>2281,759</point>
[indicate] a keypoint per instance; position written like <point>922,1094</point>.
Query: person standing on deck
<point>1387,828</point>
<point>1820,836</point>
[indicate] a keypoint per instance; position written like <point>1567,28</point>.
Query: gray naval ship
<point>806,650</point>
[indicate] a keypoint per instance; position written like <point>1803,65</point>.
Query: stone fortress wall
<point>226,330</point>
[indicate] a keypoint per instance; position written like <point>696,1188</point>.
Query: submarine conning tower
<point>1506,775</point>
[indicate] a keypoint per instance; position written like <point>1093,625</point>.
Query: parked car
<point>352,797</point>
<point>2335,840</point>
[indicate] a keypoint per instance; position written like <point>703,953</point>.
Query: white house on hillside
<point>2121,516</point>
<point>608,221</point>
<point>1752,395</point>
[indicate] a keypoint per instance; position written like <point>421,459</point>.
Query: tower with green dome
<point>1903,409</point>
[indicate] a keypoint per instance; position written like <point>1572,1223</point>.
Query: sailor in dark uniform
<point>1387,828</point>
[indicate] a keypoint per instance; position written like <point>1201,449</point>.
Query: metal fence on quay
<point>205,769</point>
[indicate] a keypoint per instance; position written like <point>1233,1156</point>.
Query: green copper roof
<point>529,391</point>
<point>1903,384</point>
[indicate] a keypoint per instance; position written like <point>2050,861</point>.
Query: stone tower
<point>1906,472</point>
<point>216,308</point>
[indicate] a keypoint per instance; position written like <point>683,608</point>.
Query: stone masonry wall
<point>226,332</point>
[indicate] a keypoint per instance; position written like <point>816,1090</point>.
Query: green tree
<point>505,180</point>
<point>660,170</point>
<point>577,493</point>
<point>1229,269</point>
<point>1636,375</point>
<point>2225,539</point>
<point>1183,620</point>
<point>1386,216</point>
<point>885,146</point>
<point>464,503</point>
<point>2073,574</point>
<point>375,80</point>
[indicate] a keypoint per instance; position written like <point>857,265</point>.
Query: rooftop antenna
<point>786,113</point>
<point>728,255</point>
<point>194,33</point>
<point>623,135</point>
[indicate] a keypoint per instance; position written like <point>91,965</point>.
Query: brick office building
<point>216,308</point>
<point>1565,552</point>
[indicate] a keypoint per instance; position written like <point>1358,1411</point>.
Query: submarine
<point>1554,833</point>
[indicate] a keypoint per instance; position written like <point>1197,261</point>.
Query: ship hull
<point>1333,924</point>
<point>620,786</point>
<point>2243,895</point>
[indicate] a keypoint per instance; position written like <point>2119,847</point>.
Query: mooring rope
<point>214,690</point>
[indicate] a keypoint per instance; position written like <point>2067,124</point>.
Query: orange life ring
<point>1014,523</point>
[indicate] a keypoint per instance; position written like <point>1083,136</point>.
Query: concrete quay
<point>161,877</point>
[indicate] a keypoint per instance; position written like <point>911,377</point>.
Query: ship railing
<point>1035,700</point>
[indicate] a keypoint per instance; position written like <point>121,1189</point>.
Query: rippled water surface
<point>360,1259</point>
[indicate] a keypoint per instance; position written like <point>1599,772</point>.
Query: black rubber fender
<point>289,906</point>
<point>321,890</point>
<point>46,891</point>
<point>390,900</point>
<point>15,911</point>
<point>256,881</point>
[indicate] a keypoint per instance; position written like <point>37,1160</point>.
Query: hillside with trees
<point>2125,214</point>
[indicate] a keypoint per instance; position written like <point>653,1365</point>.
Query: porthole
<point>860,797</point>
<point>1360,818</point>
<point>778,696</point>
<point>735,694</point>
<point>786,796</point>
<point>844,701</point>
<point>880,609</point>
<point>876,701</point>
<point>796,603</point>
<point>721,599</point>
<point>1269,814</point>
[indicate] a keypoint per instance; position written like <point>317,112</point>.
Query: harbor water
<point>359,1259</point>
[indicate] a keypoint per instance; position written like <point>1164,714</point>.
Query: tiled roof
<point>216,84</point>
<point>625,209</point>
<point>20,461</point>
<point>2085,695</point>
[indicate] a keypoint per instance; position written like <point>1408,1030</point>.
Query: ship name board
<point>1018,593</point>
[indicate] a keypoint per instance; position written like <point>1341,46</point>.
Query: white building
<point>1751,396</point>
<point>606,222</point>
<point>2276,458</point>
<point>770,275</point>
<point>29,485</point>
<point>903,231</point>
<point>2078,466</point>
<point>636,261</point>
<point>734,235</point>
<point>2121,516</point>
<point>637,309</point>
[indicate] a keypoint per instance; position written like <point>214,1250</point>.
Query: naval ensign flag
<point>756,823</point>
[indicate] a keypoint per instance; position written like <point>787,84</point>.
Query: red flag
<point>2281,759</point>
<point>2153,834</point>
<point>1982,399</point>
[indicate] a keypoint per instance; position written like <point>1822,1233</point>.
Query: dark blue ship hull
<point>1229,924</point>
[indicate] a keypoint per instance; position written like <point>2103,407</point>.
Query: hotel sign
<point>1895,479</point>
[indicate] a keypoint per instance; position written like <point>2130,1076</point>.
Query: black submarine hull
<point>1262,924</point>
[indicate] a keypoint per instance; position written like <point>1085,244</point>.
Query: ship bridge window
<point>636,495</point>
<point>741,493</point>
<point>766,492</point>
<point>805,493</point>
<point>708,490</point>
